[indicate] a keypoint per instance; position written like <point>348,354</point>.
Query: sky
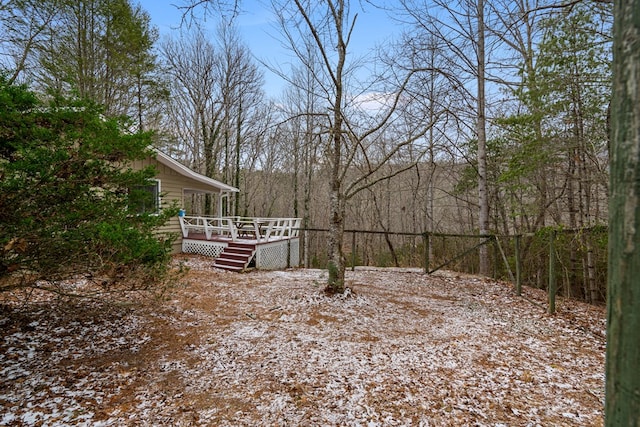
<point>373,26</point>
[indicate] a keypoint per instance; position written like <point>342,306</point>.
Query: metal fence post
<point>495,258</point>
<point>552,273</point>
<point>518,267</point>
<point>426,252</point>
<point>353,251</point>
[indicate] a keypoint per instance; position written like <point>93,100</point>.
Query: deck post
<point>183,229</point>
<point>221,196</point>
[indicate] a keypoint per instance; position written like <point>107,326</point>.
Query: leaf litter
<point>270,348</point>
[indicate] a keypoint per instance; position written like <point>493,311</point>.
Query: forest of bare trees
<point>479,118</point>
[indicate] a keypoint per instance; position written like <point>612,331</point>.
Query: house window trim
<point>158,184</point>
<point>158,197</point>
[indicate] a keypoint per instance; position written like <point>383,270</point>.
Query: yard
<point>268,348</point>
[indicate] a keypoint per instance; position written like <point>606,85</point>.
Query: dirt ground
<point>270,349</point>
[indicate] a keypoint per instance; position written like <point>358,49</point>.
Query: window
<point>145,198</point>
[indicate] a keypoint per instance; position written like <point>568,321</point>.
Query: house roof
<point>185,171</point>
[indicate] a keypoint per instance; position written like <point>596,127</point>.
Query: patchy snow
<point>269,348</point>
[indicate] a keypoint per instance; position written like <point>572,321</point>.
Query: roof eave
<point>185,171</point>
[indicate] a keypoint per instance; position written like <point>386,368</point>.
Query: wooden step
<point>223,260</point>
<point>235,257</point>
<point>228,267</point>
<point>241,246</point>
<point>238,251</point>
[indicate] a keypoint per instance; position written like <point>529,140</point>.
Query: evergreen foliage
<point>65,185</point>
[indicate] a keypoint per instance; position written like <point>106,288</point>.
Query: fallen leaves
<point>269,348</point>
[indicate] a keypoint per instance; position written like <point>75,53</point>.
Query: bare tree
<point>217,102</point>
<point>354,141</point>
<point>242,97</point>
<point>193,10</point>
<point>265,159</point>
<point>24,25</point>
<point>431,91</point>
<point>481,131</point>
<point>460,26</point>
<point>192,64</point>
<point>304,120</point>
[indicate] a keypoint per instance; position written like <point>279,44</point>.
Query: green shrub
<point>65,179</point>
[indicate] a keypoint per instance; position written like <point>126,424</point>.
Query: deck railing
<point>236,227</point>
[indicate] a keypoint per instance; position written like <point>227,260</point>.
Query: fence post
<point>353,251</point>
<point>426,252</point>
<point>305,248</point>
<point>552,273</point>
<point>518,267</point>
<point>495,259</point>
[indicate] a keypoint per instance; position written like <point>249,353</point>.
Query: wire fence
<point>569,263</point>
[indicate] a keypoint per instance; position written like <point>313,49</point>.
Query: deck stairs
<point>235,257</point>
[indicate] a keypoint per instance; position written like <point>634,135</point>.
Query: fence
<point>570,263</point>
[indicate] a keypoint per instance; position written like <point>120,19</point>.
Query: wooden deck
<point>221,238</point>
<point>239,228</point>
<point>236,243</point>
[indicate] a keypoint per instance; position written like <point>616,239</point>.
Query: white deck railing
<point>235,227</point>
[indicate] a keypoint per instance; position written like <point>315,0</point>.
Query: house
<point>235,243</point>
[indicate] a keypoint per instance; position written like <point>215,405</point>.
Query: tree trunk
<point>430,220</point>
<point>336,265</point>
<point>483,196</point>
<point>306,216</point>
<point>622,406</point>
<point>573,222</point>
<point>237,155</point>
